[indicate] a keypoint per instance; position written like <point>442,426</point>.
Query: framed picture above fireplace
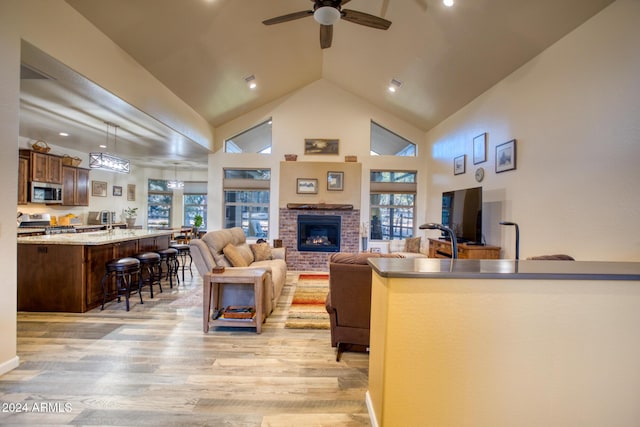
<point>307,186</point>
<point>335,181</point>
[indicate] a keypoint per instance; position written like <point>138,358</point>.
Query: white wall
<point>9,111</point>
<point>575,112</point>
<point>319,110</point>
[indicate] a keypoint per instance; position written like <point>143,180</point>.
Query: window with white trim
<point>387,143</point>
<point>392,204</point>
<point>254,140</point>
<point>246,200</point>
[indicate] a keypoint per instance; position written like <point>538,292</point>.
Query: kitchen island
<point>62,272</point>
<point>504,343</point>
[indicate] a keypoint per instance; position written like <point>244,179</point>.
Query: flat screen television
<point>462,213</point>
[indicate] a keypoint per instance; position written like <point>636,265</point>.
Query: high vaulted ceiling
<point>203,50</point>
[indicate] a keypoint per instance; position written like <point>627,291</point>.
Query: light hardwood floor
<point>154,366</point>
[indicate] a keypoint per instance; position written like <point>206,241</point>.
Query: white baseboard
<point>372,413</point>
<point>9,365</point>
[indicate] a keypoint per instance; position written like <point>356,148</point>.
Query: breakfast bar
<point>504,342</point>
<point>62,272</point>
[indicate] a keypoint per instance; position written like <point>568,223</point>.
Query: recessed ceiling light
<point>394,85</point>
<point>447,3</point>
<point>251,81</point>
<point>63,134</point>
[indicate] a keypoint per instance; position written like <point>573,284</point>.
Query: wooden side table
<point>211,293</point>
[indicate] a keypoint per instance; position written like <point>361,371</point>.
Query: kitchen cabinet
<point>63,273</point>
<point>46,168</point>
<point>23,180</point>
<point>75,186</point>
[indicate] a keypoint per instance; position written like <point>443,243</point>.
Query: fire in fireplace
<point>319,233</point>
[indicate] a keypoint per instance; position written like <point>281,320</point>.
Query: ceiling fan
<point>327,13</point>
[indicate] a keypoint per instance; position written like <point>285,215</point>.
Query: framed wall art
<point>117,190</point>
<point>335,181</point>
<point>480,149</point>
<point>307,186</point>
<point>99,188</point>
<point>459,164</point>
<point>131,192</point>
<point>506,156</point>
<point>321,146</point>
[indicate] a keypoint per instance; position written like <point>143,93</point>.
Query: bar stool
<point>123,269</point>
<point>184,250</point>
<point>169,257</point>
<point>150,262</point>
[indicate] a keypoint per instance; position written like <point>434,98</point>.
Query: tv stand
<point>442,249</point>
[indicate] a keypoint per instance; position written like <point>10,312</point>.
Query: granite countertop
<point>504,269</point>
<point>92,238</point>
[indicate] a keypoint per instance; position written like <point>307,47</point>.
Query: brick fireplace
<point>316,260</point>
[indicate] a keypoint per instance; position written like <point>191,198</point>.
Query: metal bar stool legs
<point>150,270</point>
<point>169,257</point>
<point>184,251</point>
<point>123,269</point>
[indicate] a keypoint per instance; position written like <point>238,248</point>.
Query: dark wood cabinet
<point>67,278</point>
<point>46,168</point>
<point>442,249</point>
<point>23,180</point>
<point>75,186</point>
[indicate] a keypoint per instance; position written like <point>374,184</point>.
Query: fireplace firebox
<point>319,233</point>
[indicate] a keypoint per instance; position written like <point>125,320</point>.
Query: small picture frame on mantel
<point>335,181</point>
<point>307,186</point>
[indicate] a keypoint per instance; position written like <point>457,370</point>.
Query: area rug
<point>307,306</point>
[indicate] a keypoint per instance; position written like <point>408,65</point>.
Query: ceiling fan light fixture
<point>326,15</point>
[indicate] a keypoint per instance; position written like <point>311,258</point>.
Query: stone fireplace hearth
<point>316,259</point>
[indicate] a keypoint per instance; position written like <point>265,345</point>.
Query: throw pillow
<point>412,244</point>
<point>261,251</point>
<point>233,255</point>
<point>221,260</point>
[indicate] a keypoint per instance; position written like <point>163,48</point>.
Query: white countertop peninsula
<point>504,343</point>
<point>92,238</point>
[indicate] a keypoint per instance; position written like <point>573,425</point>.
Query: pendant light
<point>109,162</point>
<point>175,184</point>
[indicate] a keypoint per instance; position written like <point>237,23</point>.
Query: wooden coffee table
<point>211,297</point>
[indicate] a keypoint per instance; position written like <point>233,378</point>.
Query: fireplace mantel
<point>320,206</point>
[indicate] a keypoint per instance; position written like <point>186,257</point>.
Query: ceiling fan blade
<point>326,36</point>
<point>365,19</point>
<point>288,17</point>
<point>344,2</point>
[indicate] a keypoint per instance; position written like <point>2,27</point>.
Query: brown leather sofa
<point>349,300</point>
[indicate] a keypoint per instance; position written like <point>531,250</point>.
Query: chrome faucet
<point>452,236</point>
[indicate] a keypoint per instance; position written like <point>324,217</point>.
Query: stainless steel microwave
<point>44,192</point>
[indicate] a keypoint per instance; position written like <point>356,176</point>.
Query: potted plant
<point>130,216</point>
<point>197,223</point>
